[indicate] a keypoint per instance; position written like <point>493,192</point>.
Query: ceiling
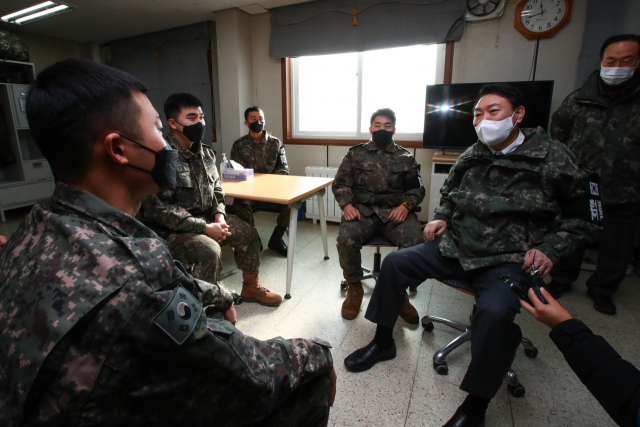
<point>101,21</point>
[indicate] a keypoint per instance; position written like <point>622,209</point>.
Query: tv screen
<point>448,121</point>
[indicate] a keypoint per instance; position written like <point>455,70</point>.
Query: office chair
<point>439,359</point>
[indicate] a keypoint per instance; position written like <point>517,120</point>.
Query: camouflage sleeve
<point>160,209</point>
<point>343,182</point>
<point>218,193</point>
<point>215,297</point>
<point>444,212</point>
<point>562,121</point>
<point>235,154</point>
<point>413,187</point>
<point>282,168</point>
<point>571,231</point>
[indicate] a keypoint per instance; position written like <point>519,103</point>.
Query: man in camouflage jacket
<point>193,214</point>
<point>378,186</point>
<point>497,217</point>
<point>100,326</point>
<point>600,123</point>
<point>263,153</point>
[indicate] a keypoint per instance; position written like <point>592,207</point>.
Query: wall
<point>488,51</point>
<point>45,51</point>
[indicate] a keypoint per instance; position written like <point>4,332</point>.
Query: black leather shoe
<point>602,303</point>
<point>556,289</point>
<point>366,357</point>
<point>461,420</point>
<point>278,246</point>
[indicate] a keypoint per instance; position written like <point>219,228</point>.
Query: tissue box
<point>241,175</point>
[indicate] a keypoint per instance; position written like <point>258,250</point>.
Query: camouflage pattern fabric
<point>376,181</point>
<point>604,133</point>
<point>187,209</point>
<point>91,337</point>
<point>499,207</point>
<point>12,48</point>
<point>353,234</point>
<point>204,254</point>
<point>266,156</point>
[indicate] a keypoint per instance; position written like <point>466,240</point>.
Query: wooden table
<point>287,190</point>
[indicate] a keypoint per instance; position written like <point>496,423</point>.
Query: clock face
<point>540,16</point>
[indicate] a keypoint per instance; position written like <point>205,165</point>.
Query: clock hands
<point>531,16</point>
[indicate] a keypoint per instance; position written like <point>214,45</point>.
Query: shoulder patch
<point>356,146</point>
<point>178,318</point>
<point>402,148</point>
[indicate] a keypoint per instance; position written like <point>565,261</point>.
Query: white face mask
<point>614,76</point>
<point>493,132</point>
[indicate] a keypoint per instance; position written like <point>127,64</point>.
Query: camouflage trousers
<point>307,406</point>
<point>203,253</point>
<point>244,210</point>
<point>353,234</point>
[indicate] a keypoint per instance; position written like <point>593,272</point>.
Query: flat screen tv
<point>448,120</point>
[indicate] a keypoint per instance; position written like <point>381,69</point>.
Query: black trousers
<point>617,240</point>
<point>495,336</point>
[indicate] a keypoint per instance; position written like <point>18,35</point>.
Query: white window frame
<point>361,133</point>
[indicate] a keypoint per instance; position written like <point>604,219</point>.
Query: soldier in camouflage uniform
<point>378,186</point>
<point>599,122</point>
<point>497,217</point>
<point>263,153</point>
<point>192,216</point>
<point>100,325</point>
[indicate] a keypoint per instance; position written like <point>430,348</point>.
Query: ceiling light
<point>39,11</point>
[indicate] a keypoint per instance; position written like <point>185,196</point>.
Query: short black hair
<point>251,110</point>
<point>386,112</point>
<point>617,39</point>
<point>176,102</point>
<point>71,103</point>
<point>510,93</point>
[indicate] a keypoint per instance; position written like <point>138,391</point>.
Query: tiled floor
<point>406,391</point>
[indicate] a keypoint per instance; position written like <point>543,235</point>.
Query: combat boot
<point>409,313</point>
<point>253,291</point>
<point>276,243</point>
<point>351,305</point>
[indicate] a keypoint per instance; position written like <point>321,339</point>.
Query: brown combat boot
<point>351,305</point>
<point>409,313</point>
<point>253,291</point>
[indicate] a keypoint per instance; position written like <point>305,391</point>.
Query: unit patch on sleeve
<point>178,318</point>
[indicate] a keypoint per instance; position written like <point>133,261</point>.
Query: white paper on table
<point>236,166</point>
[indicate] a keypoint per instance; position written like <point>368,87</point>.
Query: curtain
<point>338,26</point>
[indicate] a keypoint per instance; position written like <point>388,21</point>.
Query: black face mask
<point>382,137</point>
<point>164,168</point>
<point>194,133</point>
<point>256,127</point>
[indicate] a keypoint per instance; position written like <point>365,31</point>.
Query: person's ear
<point>246,123</point>
<point>519,114</point>
<point>370,129</point>
<point>116,148</point>
<point>394,130</point>
<point>172,123</point>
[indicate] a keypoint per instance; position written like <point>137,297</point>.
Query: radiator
<point>331,208</point>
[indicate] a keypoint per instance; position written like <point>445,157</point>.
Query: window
<point>331,97</point>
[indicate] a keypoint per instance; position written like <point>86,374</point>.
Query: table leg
<point>323,224</point>
<point>293,225</point>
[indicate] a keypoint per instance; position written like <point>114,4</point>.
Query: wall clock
<point>537,19</point>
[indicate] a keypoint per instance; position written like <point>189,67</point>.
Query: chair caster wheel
<point>531,354</point>
<point>428,326</point>
<point>441,369</point>
<point>343,285</point>
<point>516,390</point>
